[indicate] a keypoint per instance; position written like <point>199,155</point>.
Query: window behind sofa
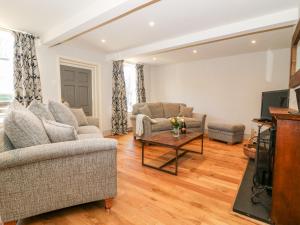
<point>130,77</point>
<point>6,71</point>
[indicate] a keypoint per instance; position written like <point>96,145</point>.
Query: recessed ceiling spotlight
<point>154,58</point>
<point>195,51</point>
<point>103,41</point>
<point>151,24</point>
<point>253,42</point>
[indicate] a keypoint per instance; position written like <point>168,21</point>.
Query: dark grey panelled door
<point>76,87</point>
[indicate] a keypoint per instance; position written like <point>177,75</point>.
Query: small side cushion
<point>62,114</point>
<point>24,129</point>
<point>40,110</point>
<point>59,132</point>
<point>80,116</point>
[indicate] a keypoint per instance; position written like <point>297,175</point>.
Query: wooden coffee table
<point>166,139</point>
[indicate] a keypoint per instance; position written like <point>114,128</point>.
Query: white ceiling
<point>178,17</point>
<point>38,16</point>
<point>276,39</point>
<point>58,20</point>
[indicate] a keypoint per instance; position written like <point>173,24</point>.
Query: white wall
<point>226,89</point>
<point>48,59</point>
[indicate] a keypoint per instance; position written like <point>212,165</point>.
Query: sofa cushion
<point>89,136</point>
<point>145,110</point>
<point>226,127</point>
<point>5,144</point>
<point>59,132</point>
<point>156,109</point>
<point>171,109</point>
<point>192,122</point>
<point>80,116</point>
<point>40,110</point>
<point>186,111</point>
<point>62,114</point>
<point>24,129</point>
<point>162,124</point>
<point>136,107</point>
<point>88,130</point>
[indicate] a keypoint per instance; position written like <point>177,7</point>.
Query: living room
<point>154,112</point>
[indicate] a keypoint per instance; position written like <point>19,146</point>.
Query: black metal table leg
<point>176,163</point>
<point>143,144</point>
<point>202,144</point>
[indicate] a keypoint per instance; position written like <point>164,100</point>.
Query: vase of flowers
<point>175,121</point>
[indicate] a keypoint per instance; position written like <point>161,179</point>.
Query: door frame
<point>96,80</point>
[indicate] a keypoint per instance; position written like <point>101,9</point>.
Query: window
<point>130,77</point>
<point>6,71</point>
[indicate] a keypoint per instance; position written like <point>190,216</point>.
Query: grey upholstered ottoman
<point>230,133</point>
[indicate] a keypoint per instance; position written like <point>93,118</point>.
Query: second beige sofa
<point>161,112</point>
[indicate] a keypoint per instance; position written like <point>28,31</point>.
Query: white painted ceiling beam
<point>98,13</point>
<point>270,21</point>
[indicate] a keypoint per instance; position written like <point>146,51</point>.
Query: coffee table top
<point>166,138</point>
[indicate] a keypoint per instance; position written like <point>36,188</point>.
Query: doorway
<point>76,87</point>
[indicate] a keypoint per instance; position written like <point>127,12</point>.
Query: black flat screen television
<point>279,99</point>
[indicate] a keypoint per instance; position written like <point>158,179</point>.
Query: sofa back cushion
<point>62,114</point>
<point>136,108</point>
<point>171,109</point>
<point>24,129</point>
<point>156,110</point>
<point>145,110</point>
<point>40,110</point>
<point>5,144</point>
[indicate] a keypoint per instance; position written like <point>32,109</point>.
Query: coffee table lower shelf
<point>178,151</point>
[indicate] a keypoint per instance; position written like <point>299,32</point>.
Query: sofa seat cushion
<point>88,130</point>
<point>227,127</point>
<point>156,110</point>
<point>192,122</point>
<point>171,109</point>
<point>162,124</point>
<point>90,136</point>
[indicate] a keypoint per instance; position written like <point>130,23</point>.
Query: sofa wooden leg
<point>10,223</point>
<point>108,203</point>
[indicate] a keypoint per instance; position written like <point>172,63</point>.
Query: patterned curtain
<point>140,87</point>
<point>119,101</point>
<point>27,81</point>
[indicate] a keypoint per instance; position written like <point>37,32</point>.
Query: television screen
<point>279,99</point>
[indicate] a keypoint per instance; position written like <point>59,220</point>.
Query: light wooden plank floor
<point>202,193</point>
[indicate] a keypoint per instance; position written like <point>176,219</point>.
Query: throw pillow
<point>62,114</point>
<point>186,111</point>
<point>145,110</point>
<point>80,116</point>
<point>24,129</point>
<point>40,110</point>
<point>59,132</point>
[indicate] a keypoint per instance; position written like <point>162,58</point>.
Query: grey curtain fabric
<point>140,87</point>
<point>27,81</point>
<point>119,101</point>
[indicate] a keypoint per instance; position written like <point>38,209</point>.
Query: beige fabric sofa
<point>161,112</point>
<point>43,178</point>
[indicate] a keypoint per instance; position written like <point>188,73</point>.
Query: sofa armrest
<point>93,121</point>
<point>202,118</point>
<point>38,153</point>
